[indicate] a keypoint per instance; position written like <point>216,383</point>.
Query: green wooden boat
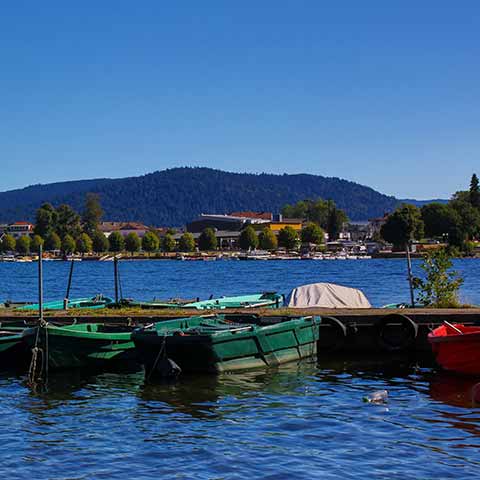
<point>214,345</point>
<point>257,300</point>
<point>92,303</point>
<point>13,351</point>
<point>81,345</point>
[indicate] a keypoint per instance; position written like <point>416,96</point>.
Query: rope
<point>38,370</point>
<point>162,350</point>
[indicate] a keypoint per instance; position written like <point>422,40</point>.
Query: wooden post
<point>40,282</point>
<point>115,275</point>
<point>67,296</point>
<point>410,276</point>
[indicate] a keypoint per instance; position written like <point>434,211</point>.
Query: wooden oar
<point>453,326</point>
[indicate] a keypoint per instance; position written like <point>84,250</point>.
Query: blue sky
<point>383,93</point>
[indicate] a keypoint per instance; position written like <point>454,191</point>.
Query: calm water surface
<point>305,420</point>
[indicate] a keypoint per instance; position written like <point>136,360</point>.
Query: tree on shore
<point>8,243</point>
<point>440,287</point>
<point>68,222</point>
<point>440,220</point>
<point>117,242</point>
<point>84,243</point>
<point>92,213</point>
<point>402,226</point>
<point>312,233</point>
<point>186,243</point>
<point>68,244</point>
<point>37,240</point>
<point>23,245</point>
<point>288,238</point>
<point>168,243</point>
<point>45,220</point>
<point>207,240</point>
<point>248,239</point>
<point>150,242</point>
<point>100,242</point>
<point>267,240</point>
<point>53,242</point>
<point>336,219</point>
<point>474,192</point>
<point>132,243</point>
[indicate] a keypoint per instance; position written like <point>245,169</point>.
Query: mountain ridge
<point>175,196</point>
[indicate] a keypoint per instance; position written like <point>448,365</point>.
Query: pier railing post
<point>410,276</point>
<point>115,275</point>
<point>40,282</point>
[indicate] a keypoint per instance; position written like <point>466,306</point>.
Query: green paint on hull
<point>215,345</point>
<point>257,300</point>
<point>82,345</point>
<point>92,303</point>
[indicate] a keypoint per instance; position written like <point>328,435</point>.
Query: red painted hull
<point>457,352</point>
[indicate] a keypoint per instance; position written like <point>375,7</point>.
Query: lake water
<point>300,421</point>
<point>383,281</point>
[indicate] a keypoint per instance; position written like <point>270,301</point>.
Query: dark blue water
<point>300,421</point>
<point>383,281</point>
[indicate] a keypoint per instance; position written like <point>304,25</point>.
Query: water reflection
<point>203,396</point>
<point>456,390</point>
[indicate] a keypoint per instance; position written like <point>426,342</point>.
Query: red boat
<point>457,348</point>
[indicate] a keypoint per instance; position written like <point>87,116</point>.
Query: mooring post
<point>410,276</point>
<point>67,295</point>
<point>40,282</point>
<point>115,274</point>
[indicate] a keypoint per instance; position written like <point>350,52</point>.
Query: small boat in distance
<point>457,348</point>
<point>93,303</point>
<point>256,300</point>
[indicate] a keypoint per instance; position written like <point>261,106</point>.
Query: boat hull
<point>13,351</point>
<point>82,346</point>
<point>247,348</point>
<point>457,352</point>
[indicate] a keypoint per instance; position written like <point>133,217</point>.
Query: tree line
<point>456,223</point>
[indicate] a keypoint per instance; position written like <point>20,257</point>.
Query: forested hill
<point>175,196</point>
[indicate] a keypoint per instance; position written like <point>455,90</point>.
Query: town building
<point>19,229</point>
<point>107,228</point>
<point>231,223</point>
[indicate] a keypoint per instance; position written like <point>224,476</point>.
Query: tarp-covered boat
<point>327,295</point>
<point>81,345</point>
<point>457,348</point>
<point>218,344</point>
<point>92,303</point>
<point>256,300</point>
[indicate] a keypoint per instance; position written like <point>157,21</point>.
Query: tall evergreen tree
<point>474,193</point>
<point>45,220</point>
<point>92,213</point>
<point>68,222</point>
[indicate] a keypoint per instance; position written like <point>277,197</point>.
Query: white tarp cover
<point>327,295</point>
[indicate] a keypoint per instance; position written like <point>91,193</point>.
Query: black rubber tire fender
<point>341,330</point>
<point>409,325</point>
